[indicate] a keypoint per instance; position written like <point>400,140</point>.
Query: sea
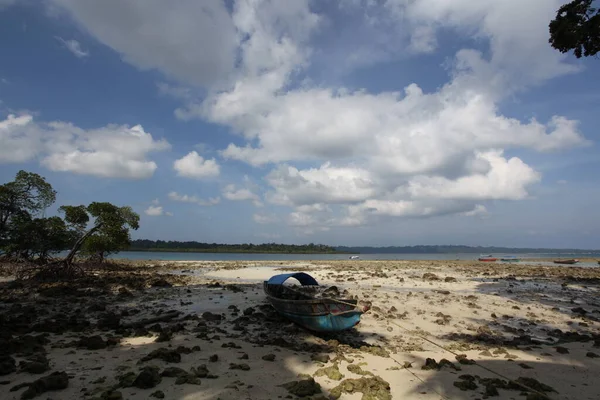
<point>187,256</point>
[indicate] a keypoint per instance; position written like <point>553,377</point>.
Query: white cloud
<point>154,211</point>
<point>114,151</point>
<point>342,157</point>
<point>193,41</point>
<point>326,184</point>
<point>194,165</point>
<point>74,47</point>
<point>231,192</point>
<point>184,198</point>
<point>264,218</point>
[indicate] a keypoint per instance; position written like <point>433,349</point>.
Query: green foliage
<point>28,194</point>
<point>23,234</point>
<point>37,238</point>
<point>110,229</point>
<point>577,28</point>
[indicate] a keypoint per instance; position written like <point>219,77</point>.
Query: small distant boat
<point>571,261</point>
<point>510,259</point>
<point>324,314</point>
<point>487,258</point>
<point>354,257</point>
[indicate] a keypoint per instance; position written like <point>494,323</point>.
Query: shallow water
<point>175,256</point>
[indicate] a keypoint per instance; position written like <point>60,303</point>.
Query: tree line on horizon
<point>199,247</point>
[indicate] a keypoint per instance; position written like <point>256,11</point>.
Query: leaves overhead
<point>576,28</point>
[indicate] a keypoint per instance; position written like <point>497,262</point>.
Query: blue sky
<point>347,122</point>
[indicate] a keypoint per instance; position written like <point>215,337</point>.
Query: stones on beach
<point>269,357</point>
<point>562,350</point>
<point>8,365</point>
<point>322,358</point>
<point>161,282</point>
<point>211,317</point>
<point>213,358</point>
<point>164,336</point>
<point>591,355</point>
<point>167,355</point>
<point>35,364</point>
<point>428,276</point>
<point>159,394</point>
<point>431,364</point>
<point>466,382</point>
<point>372,388</point>
<point>332,372</point>
<point>303,388</point>
<point>54,381</point>
<point>147,378</point>
<point>241,367</point>
<point>92,342</point>
<point>449,279</point>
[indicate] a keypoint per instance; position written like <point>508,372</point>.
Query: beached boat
<point>324,314</point>
<point>571,261</point>
<point>487,258</point>
<point>510,259</point>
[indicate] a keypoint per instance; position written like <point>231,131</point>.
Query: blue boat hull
<point>326,323</point>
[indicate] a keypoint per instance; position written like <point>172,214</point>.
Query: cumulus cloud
<point>74,47</point>
<point>154,211</point>
<point>195,166</point>
<point>193,42</point>
<point>233,193</point>
<point>346,157</point>
<point>114,151</point>
<point>184,198</point>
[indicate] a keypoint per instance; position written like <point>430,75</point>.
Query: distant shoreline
<point>158,250</point>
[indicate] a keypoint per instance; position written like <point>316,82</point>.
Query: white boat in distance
<point>354,257</point>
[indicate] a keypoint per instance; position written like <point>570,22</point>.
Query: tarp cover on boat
<point>302,277</point>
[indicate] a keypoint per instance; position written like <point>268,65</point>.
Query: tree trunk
<point>79,243</point>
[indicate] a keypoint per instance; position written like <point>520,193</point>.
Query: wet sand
<point>497,326</point>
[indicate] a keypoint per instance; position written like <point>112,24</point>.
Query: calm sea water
<point>174,256</point>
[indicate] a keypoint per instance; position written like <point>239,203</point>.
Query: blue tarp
<point>302,277</point>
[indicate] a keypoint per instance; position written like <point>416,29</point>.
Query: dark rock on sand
<point>242,367</point>
<point>167,355</point>
<point>323,358</point>
<point>562,350</point>
<point>213,358</point>
<point>35,364</point>
<point>164,336</point>
<point>332,372</point>
<point>7,365</point>
<point>269,357</point>
<point>466,382</point>
<point>303,388</point>
<point>431,364</point>
<point>208,316</point>
<point>591,355</point>
<point>159,394</point>
<point>428,276</point>
<point>52,382</point>
<point>147,378</point>
<point>161,282</point>
<point>371,388</point>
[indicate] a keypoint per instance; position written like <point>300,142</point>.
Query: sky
<point>344,122</point>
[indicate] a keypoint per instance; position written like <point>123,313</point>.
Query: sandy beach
<point>203,330</point>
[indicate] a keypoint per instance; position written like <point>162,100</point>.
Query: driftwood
<point>161,318</point>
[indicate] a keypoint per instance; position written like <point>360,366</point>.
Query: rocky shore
<point>203,330</point>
